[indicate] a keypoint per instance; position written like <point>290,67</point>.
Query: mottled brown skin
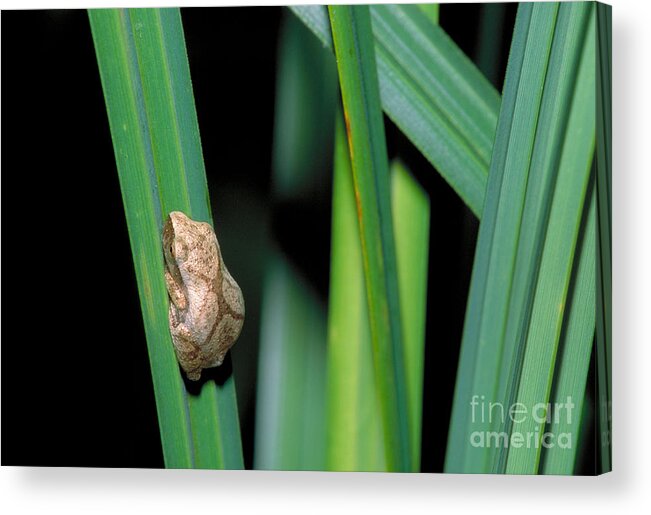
<point>206,304</point>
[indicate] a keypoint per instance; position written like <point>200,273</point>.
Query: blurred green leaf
<point>411,217</point>
<point>489,40</point>
<point>431,11</point>
<point>290,418</point>
<point>290,405</point>
<point>306,96</point>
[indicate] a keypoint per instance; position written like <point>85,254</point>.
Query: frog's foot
<point>176,293</point>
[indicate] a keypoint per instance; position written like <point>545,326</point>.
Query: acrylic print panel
<point>343,238</point>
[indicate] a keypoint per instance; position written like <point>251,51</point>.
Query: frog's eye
<point>180,251</point>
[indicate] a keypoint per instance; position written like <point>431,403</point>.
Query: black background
<point>76,386</point>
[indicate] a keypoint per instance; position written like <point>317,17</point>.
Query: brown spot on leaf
<point>348,134</point>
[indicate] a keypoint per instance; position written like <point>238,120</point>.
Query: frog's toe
<point>194,375</point>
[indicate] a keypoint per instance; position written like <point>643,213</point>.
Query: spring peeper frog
<point>206,305</point>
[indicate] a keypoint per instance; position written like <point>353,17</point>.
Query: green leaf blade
<point>355,437</point>
<point>452,122</point>
<point>526,244</point>
<point>353,42</point>
<point>132,152</point>
<point>432,60</point>
<point>562,229</point>
<point>604,231</point>
<point>290,426</point>
<point>498,235</point>
<point>355,440</point>
<point>575,351</point>
<point>411,217</point>
<point>145,76</point>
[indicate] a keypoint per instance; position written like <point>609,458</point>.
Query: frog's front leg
<point>175,291</point>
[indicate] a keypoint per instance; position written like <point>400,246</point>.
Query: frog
<point>206,305</point>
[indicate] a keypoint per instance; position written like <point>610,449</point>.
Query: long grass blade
<point>573,359</point>
<point>573,157</point>
<point>510,259</point>
<point>411,218</point>
<point>355,437</point>
<point>507,185</point>
<point>432,91</point>
<point>146,79</point>
<point>353,42</point>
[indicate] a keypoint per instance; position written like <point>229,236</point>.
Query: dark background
<point>76,386</point>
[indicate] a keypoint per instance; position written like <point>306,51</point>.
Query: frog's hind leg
<point>187,353</point>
